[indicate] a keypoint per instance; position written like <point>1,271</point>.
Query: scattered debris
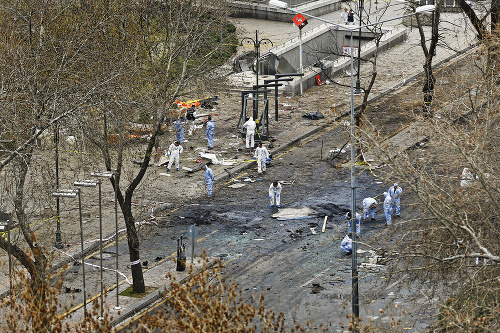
<point>237,185</point>
<point>294,213</point>
<point>314,115</point>
<point>316,288</point>
<point>211,157</point>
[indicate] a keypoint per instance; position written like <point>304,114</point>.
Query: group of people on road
<point>392,206</point>
<point>175,149</point>
<point>261,154</point>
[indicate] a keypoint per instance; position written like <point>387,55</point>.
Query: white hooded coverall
<point>261,154</point>
<point>174,152</point>
<point>274,195</point>
<point>250,125</point>
<point>388,208</point>
<point>395,192</point>
<point>367,209</point>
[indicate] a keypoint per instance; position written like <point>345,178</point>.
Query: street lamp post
<point>59,243</point>
<point>358,89</point>
<point>83,183</point>
<point>10,259</point>
<point>72,194</point>
<point>256,44</point>
<point>108,175</point>
<point>422,9</point>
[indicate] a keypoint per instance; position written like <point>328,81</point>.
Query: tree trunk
<point>37,265</point>
<point>360,114</point>
<point>476,22</point>
<point>133,247</point>
<point>495,15</point>
<point>430,80</point>
<point>428,88</point>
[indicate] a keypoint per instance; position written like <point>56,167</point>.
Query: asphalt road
<point>282,259</point>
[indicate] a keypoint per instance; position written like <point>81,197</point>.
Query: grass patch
<point>130,292</point>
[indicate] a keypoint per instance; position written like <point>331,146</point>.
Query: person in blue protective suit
<point>274,194</point>
<point>369,205</point>
<point>358,222</point>
<point>261,155</point>
<point>388,208</point>
<point>395,193</point>
<point>174,151</point>
<point>209,178</point>
<point>210,131</point>
<point>346,244</point>
<point>179,130</point>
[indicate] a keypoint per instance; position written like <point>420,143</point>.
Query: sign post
<point>300,21</point>
<point>193,233</point>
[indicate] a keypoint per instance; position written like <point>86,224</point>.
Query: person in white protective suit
<point>395,193</point>
<point>250,125</point>
<point>174,151</point>
<point>346,244</point>
<point>261,155</point>
<point>388,208</point>
<point>344,15</point>
<point>369,205</point>
<point>358,222</point>
<point>275,194</point>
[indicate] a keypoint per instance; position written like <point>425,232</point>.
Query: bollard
<point>181,255</point>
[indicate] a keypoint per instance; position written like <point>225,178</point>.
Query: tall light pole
<point>72,194</point>
<point>58,244</point>
<point>108,175</point>
<point>422,9</point>
<point>256,44</point>
<point>83,183</point>
<point>358,89</point>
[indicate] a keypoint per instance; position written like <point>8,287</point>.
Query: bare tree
<point>429,53</point>
<point>46,76</point>
<point>452,234</point>
<point>167,48</point>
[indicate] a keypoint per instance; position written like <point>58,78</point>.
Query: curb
<point>151,298</point>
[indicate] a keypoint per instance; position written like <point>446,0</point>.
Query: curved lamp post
<point>256,44</point>
<point>422,9</point>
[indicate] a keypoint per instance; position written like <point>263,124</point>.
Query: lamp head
<point>425,9</point>
<point>278,4</point>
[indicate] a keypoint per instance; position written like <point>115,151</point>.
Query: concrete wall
<point>261,9</point>
<point>324,42</point>
<point>342,64</point>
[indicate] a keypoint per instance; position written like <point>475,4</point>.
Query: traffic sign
<point>300,20</point>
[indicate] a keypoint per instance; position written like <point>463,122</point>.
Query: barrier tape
<point>97,266</point>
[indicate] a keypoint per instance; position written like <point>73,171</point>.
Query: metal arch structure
<point>256,44</point>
